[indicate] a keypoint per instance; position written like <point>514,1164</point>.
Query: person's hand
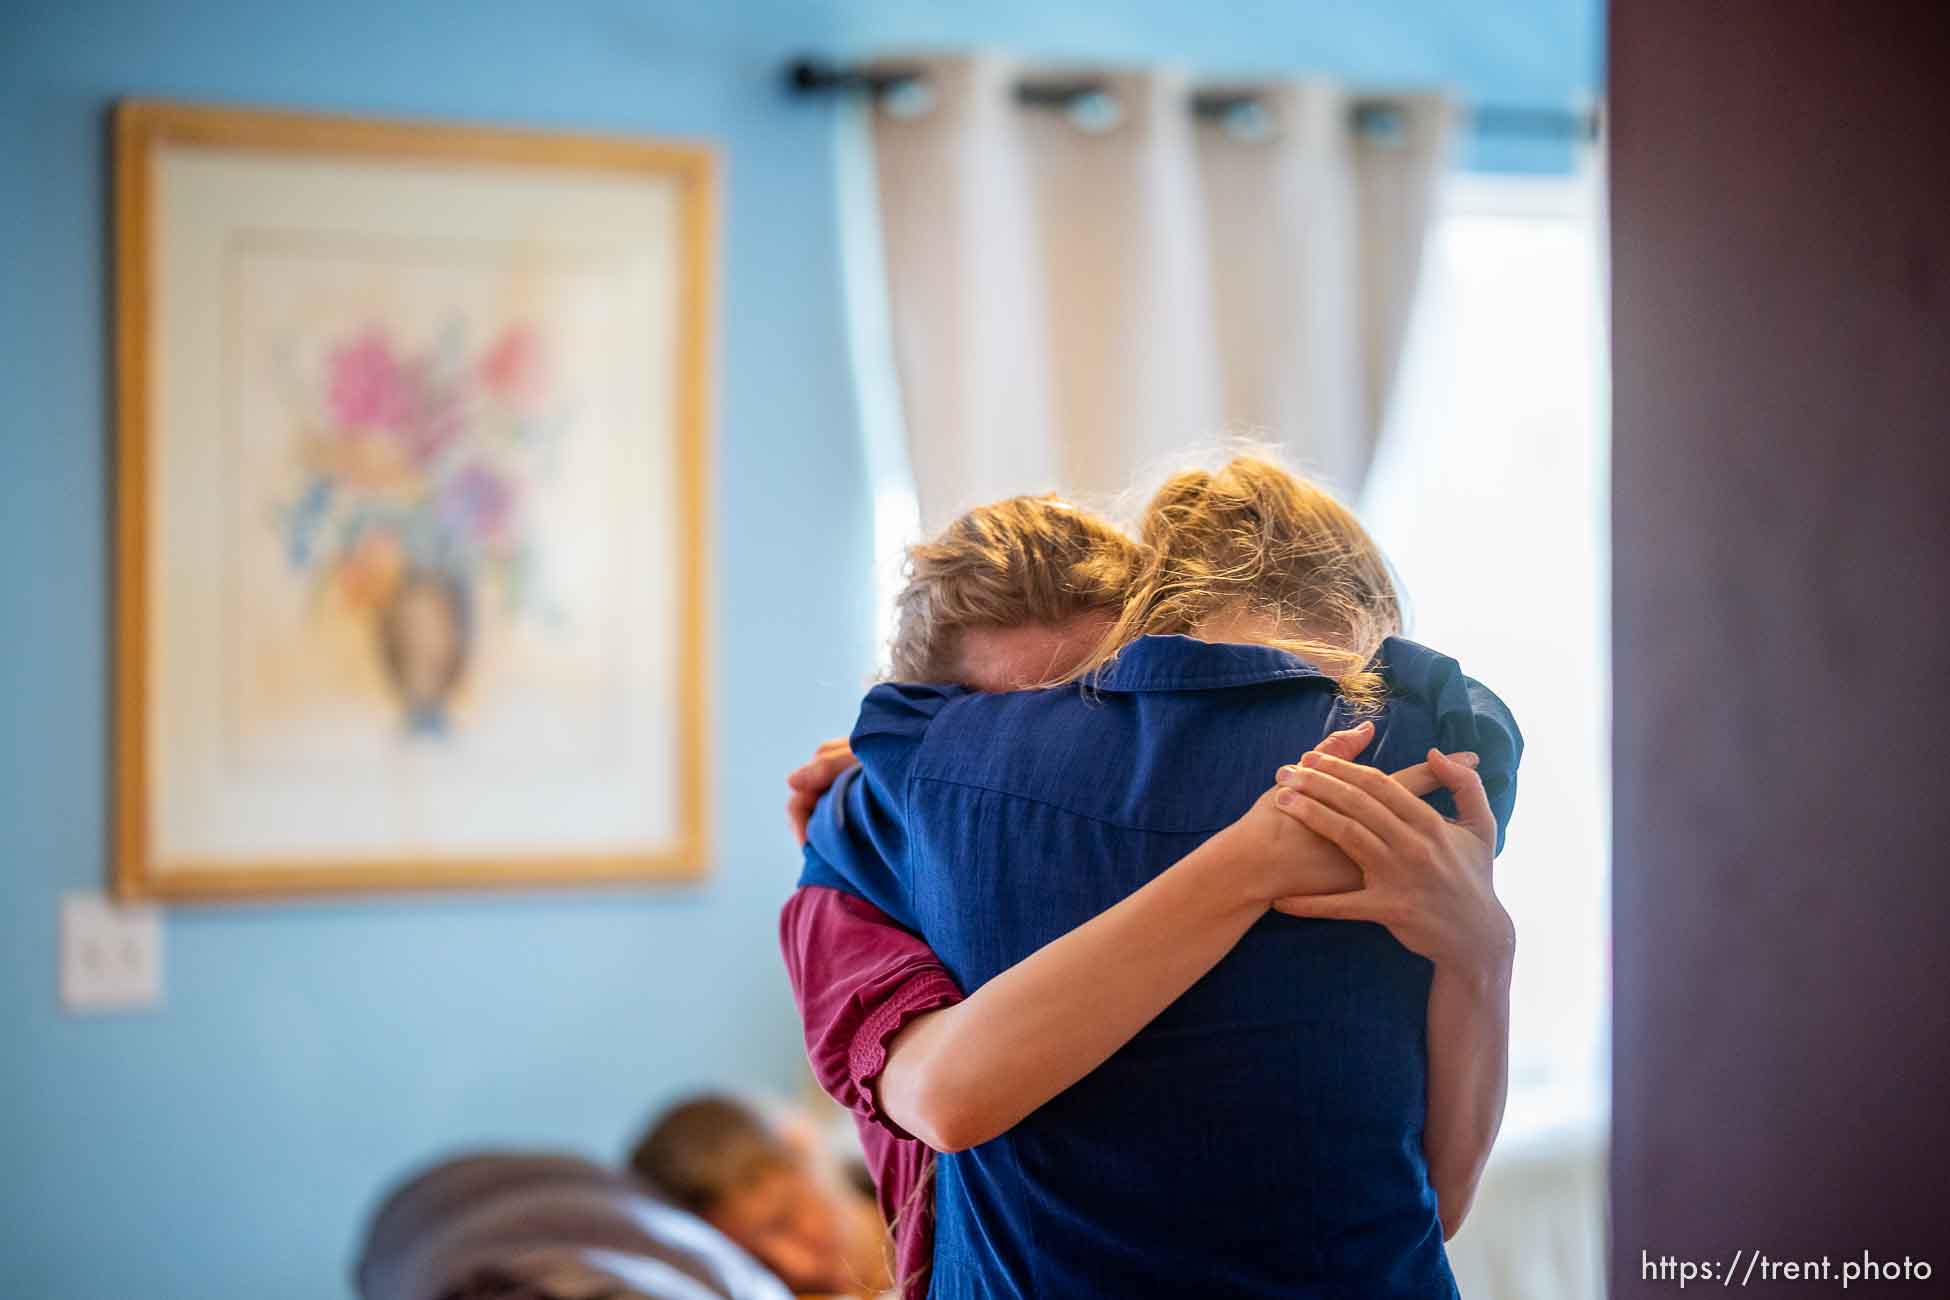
<point>1424,877</point>
<point>812,779</point>
<point>1277,856</point>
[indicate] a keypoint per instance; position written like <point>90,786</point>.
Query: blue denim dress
<point>1263,1136</point>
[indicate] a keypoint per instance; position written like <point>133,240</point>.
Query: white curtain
<point>1070,307</point>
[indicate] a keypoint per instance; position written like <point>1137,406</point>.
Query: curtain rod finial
<point>810,76</point>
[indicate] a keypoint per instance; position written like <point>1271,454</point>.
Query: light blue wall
<point>226,1145</point>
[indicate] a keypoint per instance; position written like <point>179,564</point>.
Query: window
<point>1489,495</point>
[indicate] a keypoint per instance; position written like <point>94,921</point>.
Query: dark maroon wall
<point>1781,315</point>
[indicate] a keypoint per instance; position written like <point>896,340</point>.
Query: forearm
<point>1469,1074</point>
<point>965,1074</point>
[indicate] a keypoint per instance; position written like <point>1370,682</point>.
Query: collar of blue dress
<point>1183,663</point>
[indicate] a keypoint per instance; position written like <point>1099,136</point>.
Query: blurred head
<point>1011,595</point>
<point>1253,551</point>
<point>717,1158</point>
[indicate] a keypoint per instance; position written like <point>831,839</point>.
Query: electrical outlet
<point>111,955</point>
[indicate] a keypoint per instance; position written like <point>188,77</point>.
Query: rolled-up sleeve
<point>1487,728</point>
<point>1467,715</point>
<point>859,978</point>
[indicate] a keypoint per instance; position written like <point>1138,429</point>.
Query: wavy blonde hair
<point>1250,540</point>
<point>1253,540</point>
<point>1025,560</point>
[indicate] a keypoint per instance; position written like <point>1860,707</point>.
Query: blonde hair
<point>1255,540</point>
<point>1025,560</point>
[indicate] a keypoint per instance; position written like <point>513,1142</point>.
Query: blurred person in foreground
<point>770,1187</point>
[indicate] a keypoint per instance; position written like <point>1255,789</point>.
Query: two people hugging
<point>1146,922</point>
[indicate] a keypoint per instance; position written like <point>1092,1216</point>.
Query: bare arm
<point>1429,881</point>
<point>968,1073</point>
<point>1469,1077</point>
<point>962,1075</point>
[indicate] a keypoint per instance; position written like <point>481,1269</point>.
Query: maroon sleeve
<point>858,978</point>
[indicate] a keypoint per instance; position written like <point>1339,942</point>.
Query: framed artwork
<point>411,505</point>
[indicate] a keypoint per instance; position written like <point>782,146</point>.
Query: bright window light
<point>1489,495</point>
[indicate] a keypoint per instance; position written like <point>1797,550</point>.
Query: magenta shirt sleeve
<point>859,978</point>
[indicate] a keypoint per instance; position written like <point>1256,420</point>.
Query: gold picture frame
<point>208,807</point>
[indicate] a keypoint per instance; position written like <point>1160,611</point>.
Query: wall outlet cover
<point>111,954</point>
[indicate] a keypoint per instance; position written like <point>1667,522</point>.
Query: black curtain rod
<point>811,76</point>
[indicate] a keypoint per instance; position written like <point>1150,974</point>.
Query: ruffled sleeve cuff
<point>868,1055</point>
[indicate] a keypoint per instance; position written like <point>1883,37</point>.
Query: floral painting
<point>412,529</point>
<point>425,494</point>
<point>417,464</point>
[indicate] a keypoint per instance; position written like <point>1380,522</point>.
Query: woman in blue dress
<point>1263,1135</point>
